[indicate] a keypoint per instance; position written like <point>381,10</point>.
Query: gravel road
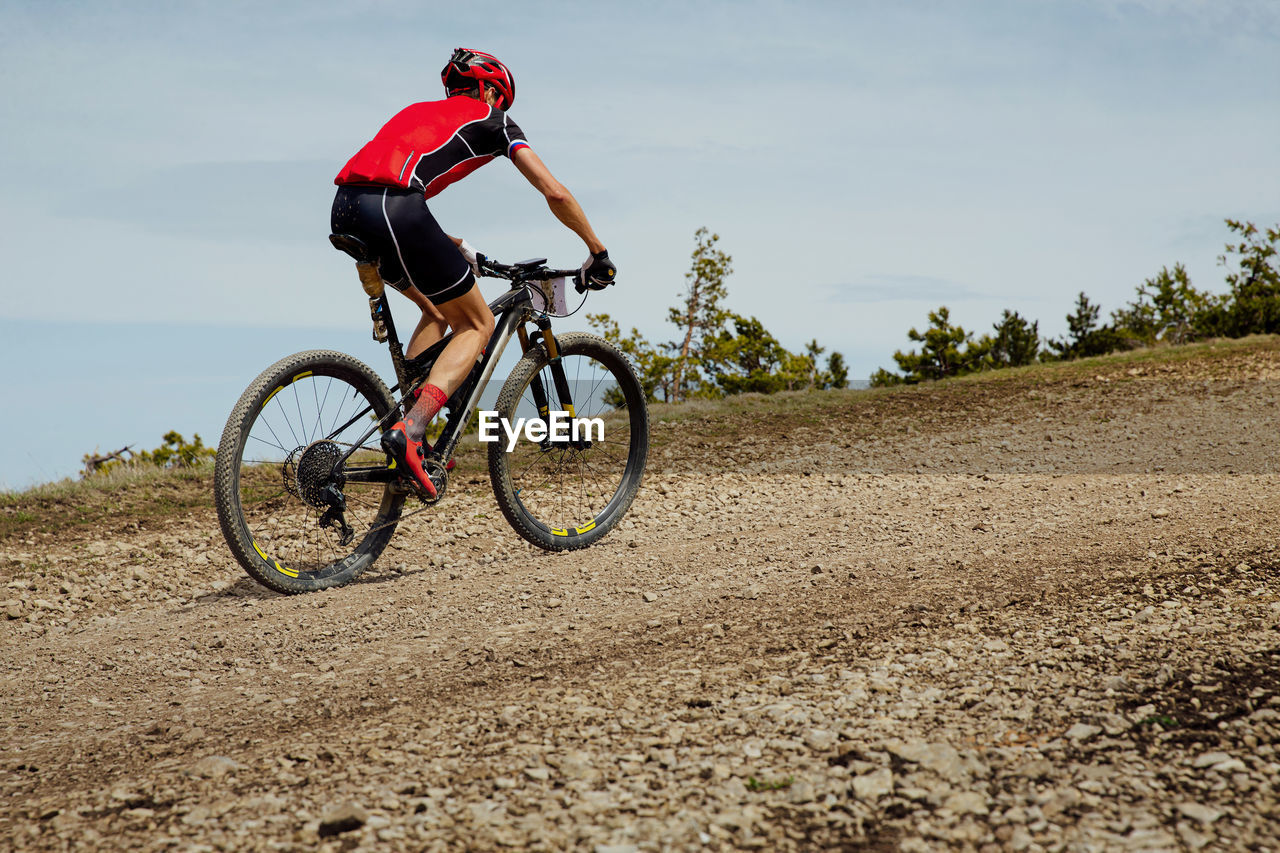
<point>1037,611</point>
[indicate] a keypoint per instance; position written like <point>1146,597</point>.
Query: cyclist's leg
<point>446,288</point>
<point>472,323</point>
<point>442,277</point>
<point>431,327</point>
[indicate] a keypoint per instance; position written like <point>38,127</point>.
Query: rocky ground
<point>1035,611</point>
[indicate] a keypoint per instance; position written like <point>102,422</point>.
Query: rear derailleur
<point>336,514</point>
<point>315,475</point>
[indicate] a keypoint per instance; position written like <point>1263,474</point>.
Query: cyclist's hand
<point>598,272</point>
<point>469,252</point>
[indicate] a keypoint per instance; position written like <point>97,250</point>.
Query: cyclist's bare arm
<point>559,199</point>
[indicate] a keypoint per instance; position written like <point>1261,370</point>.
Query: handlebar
<point>525,271</point>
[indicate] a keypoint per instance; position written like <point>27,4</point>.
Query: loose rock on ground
<point>1023,613</point>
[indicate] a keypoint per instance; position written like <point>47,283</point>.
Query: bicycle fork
<point>558,378</point>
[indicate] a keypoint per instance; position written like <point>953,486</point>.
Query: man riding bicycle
<point>381,198</point>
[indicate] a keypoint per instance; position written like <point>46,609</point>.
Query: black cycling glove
<point>598,272</point>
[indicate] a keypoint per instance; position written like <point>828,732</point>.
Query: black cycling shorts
<point>411,248</point>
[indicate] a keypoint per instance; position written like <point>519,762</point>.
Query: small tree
<point>1080,325</point>
<point>1167,309</point>
<point>709,359</point>
<point>1253,275</point>
<point>1016,342</point>
<point>700,318</point>
<point>653,369</point>
<point>940,355</point>
<point>749,359</point>
<point>836,375</point>
<point>812,351</point>
<point>177,452</point>
<point>884,379</point>
<point>1085,336</point>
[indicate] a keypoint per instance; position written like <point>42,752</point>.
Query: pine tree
<point>700,318</point>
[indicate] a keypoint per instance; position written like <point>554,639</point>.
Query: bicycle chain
<point>402,516</point>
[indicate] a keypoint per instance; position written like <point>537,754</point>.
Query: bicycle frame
<point>511,311</point>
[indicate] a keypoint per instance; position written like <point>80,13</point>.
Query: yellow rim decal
<point>557,531</point>
<point>569,409</point>
<point>585,528</point>
<point>301,375</point>
<point>543,411</point>
<point>275,564</point>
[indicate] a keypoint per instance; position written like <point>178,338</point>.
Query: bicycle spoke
<point>352,498</point>
<point>565,486</point>
<point>538,457</point>
<point>604,482</point>
<point>285,544</point>
<point>315,395</point>
<point>273,435</point>
<point>302,421</point>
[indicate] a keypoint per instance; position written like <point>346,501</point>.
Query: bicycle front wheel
<point>565,493</point>
<point>278,475</point>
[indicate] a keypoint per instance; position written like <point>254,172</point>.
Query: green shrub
<point>174,452</point>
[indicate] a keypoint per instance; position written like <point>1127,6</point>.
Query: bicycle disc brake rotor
<point>308,470</point>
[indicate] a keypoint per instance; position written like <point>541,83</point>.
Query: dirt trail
<point>1033,612</point>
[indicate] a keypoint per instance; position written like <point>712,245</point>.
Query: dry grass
<point>142,495</point>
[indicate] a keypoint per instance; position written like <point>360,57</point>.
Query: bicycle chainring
<point>310,469</point>
<point>439,478</point>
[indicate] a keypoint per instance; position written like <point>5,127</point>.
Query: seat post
<point>384,328</point>
<point>376,291</point>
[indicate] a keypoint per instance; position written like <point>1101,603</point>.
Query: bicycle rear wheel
<point>277,462</point>
<point>562,495</point>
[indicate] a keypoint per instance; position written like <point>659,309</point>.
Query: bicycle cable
<point>580,304</point>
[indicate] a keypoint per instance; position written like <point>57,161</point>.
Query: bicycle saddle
<point>353,246</point>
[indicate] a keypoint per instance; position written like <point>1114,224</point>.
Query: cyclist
<point>381,198</point>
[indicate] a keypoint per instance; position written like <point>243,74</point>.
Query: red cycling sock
<point>430,401</point>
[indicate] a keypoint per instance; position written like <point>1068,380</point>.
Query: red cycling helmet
<point>467,68</point>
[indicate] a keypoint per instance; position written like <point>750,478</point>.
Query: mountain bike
<point>308,500</point>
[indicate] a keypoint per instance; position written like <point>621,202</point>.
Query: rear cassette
<point>310,470</point>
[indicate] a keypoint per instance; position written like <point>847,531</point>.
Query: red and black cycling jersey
<point>430,145</point>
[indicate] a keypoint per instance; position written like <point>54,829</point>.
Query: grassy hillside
<point>145,497</point>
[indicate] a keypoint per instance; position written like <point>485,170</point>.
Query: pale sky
<point>864,163</point>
